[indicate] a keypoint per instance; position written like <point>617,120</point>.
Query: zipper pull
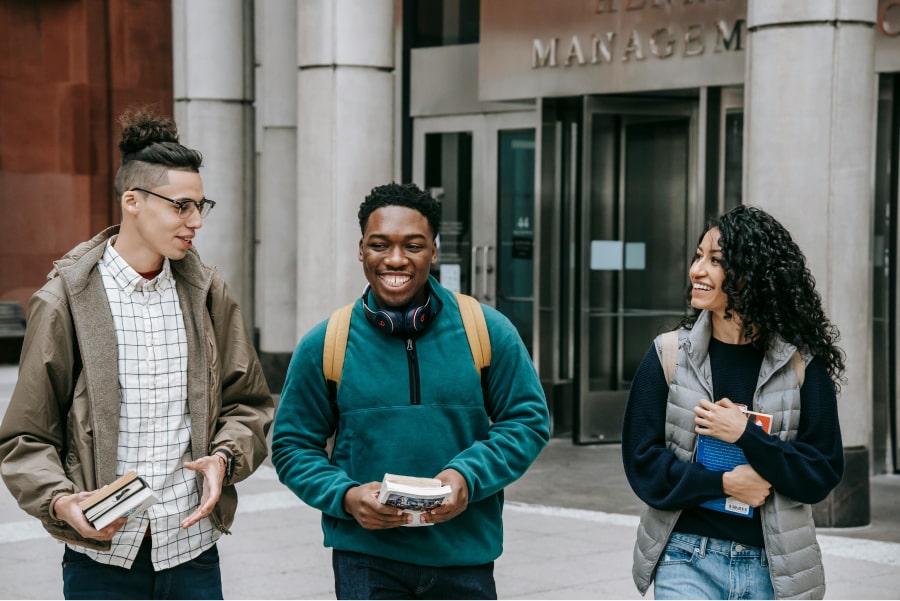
<point>409,344</point>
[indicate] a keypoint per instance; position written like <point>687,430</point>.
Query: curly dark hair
<point>770,287</point>
<point>150,148</point>
<point>402,195</point>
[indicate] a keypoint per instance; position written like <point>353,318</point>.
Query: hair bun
<point>142,126</point>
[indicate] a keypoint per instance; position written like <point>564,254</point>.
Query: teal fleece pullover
<point>384,428</point>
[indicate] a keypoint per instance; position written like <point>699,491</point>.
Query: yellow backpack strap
<point>479,340</point>
<point>799,365</point>
<point>669,354</point>
<point>476,330</point>
<point>335,348</point>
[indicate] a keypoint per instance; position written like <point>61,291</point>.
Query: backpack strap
<point>476,330</point>
<point>479,340</point>
<point>669,354</point>
<point>335,348</point>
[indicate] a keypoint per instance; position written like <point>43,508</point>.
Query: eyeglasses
<point>186,208</point>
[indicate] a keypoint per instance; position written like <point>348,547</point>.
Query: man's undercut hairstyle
<point>401,195</point>
<point>150,148</point>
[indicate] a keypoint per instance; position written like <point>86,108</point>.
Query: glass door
<point>516,230</point>
<point>885,282</point>
<point>481,168</point>
<point>639,217</point>
<point>448,178</point>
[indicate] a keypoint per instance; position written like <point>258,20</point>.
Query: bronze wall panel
<point>67,68</point>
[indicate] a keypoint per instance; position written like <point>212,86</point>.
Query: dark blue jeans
<point>360,576</point>
<point>84,578</point>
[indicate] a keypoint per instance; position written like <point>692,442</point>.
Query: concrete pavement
<point>569,529</point>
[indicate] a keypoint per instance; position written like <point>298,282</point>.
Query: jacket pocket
<point>213,379</point>
<point>78,461</point>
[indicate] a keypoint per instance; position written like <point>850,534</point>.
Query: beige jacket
<point>60,433</point>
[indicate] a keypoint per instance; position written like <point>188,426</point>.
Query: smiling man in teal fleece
<point>410,402</point>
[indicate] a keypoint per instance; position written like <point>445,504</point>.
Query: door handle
<point>476,268</point>
<point>487,271</point>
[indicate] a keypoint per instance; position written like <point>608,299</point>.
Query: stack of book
<point>721,456</point>
<point>413,495</point>
<point>126,495</point>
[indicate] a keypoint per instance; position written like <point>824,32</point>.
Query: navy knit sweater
<point>805,469</point>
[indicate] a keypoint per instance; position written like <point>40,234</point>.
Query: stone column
<point>346,147</point>
<point>212,43</point>
<point>276,267</point>
<point>810,115</point>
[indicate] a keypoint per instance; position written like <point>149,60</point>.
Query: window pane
<point>448,177</point>
<point>443,22</point>
<point>734,158</point>
<point>515,230</point>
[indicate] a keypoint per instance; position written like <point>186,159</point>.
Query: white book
<point>126,495</point>
<point>413,495</point>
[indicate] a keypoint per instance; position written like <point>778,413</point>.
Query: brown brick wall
<point>67,68</point>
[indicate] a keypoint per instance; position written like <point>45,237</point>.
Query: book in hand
<point>413,495</point>
<point>124,496</point>
<point>721,456</point>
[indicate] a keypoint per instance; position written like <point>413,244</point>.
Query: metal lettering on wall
<point>572,47</point>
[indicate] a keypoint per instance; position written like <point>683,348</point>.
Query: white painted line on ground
<point>17,532</point>
<point>599,517</point>
<point>25,530</point>
<point>265,472</point>
<point>875,551</point>
<point>267,501</point>
<point>884,553</point>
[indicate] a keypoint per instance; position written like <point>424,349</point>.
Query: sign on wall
<point>572,47</point>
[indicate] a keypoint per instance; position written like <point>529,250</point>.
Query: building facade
<point>578,147</point>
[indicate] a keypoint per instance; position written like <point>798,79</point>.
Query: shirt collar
<point>130,280</point>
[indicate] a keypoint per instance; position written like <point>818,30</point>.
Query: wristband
<point>229,461</point>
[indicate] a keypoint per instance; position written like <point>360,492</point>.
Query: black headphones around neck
<point>398,322</point>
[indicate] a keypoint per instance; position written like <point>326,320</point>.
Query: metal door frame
<point>484,128</point>
<point>630,108</point>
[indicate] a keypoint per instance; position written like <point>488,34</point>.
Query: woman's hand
<point>744,484</point>
<point>723,420</point>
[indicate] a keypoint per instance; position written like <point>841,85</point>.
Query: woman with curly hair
<point>756,339</point>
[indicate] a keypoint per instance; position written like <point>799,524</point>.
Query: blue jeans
<point>361,576</point>
<point>699,567</point>
<point>84,578</point>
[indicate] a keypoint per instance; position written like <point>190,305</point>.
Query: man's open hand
<point>213,469</point>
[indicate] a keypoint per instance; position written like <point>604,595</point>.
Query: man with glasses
<point>136,358</point>
<point>186,208</point>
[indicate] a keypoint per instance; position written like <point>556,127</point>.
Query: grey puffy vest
<point>795,560</point>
